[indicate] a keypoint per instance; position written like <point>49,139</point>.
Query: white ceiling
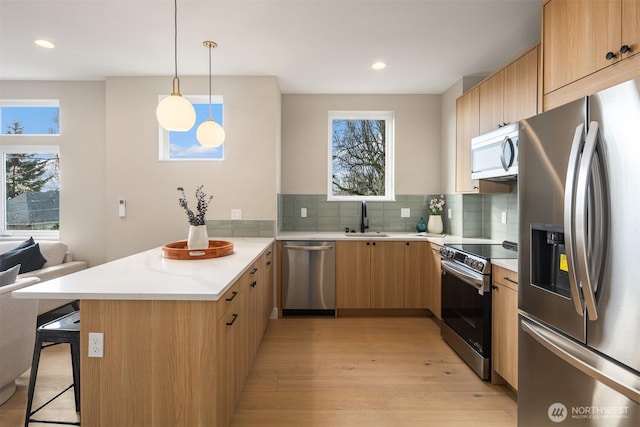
<point>312,46</point>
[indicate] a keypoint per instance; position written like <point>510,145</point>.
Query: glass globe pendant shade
<point>175,113</point>
<point>210,134</point>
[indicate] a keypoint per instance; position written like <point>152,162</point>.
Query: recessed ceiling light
<point>45,43</point>
<point>379,65</point>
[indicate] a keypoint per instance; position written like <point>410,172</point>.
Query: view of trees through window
<point>360,151</point>
<point>31,175</point>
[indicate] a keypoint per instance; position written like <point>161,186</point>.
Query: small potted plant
<point>436,206</point>
<point>198,237</point>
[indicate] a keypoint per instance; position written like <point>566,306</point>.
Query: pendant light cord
<point>175,37</point>
<point>210,107</point>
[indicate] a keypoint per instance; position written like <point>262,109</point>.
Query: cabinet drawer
<point>230,297</point>
<point>505,277</point>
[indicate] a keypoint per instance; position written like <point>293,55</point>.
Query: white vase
<point>435,224</point>
<point>198,237</point>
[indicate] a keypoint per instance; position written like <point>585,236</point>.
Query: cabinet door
<point>416,274</point>
<point>267,289</point>
<point>630,26</point>
<point>491,100</point>
<point>521,88</point>
<point>505,333</point>
<point>467,126</point>
<point>253,285</point>
<point>387,274</point>
<point>577,36</point>
<point>434,280</point>
<point>353,287</point>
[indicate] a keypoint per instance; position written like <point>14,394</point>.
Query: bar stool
<point>64,330</point>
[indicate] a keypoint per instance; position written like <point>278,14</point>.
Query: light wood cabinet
<point>232,358</point>
<point>467,126</point>
<point>491,99</point>
<point>353,271</point>
<point>435,272</point>
<point>505,326</point>
<point>381,274</point>
<point>511,94</point>
<point>583,37</point>
<point>521,87</point>
<point>416,274</point>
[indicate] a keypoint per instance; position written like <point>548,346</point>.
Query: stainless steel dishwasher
<point>308,277</point>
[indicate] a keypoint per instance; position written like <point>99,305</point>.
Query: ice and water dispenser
<point>549,268</point>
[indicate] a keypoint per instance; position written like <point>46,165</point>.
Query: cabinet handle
<point>374,243</point>
<point>235,316</point>
<point>625,48</point>
<point>475,187</point>
<point>268,253</point>
<point>510,280</point>
<point>408,244</point>
<point>268,263</point>
<point>253,271</point>
<point>494,287</point>
<point>233,295</point>
<point>253,284</point>
<point>610,56</point>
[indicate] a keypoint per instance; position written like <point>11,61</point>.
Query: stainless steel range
<point>466,301</point>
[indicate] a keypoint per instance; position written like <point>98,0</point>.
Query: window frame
<point>163,134</point>
<point>389,118</point>
<point>36,234</point>
<point>35,103</point>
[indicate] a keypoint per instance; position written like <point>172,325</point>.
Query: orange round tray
<point>179,250</point>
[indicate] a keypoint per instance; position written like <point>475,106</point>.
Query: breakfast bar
<point>179,335</point>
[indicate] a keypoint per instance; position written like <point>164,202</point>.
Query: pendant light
<point>174,112</point>
<point>210,133</point>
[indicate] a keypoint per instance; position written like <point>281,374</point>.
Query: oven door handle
<point>475,280</point>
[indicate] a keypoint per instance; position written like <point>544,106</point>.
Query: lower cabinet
<point>505,326</point>
<point>382,274</point>
<point>434,280</point>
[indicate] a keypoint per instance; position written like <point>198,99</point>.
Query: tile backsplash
<point>472,215</point>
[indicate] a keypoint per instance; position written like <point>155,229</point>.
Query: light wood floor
<point>366,371</point>
<point>332,372</point>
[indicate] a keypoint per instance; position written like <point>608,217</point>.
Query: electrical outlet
<point>405,212</point>
<point>504,217</point>
<point>236,213</point>
<point>96,344</point>
<point>303,212</point>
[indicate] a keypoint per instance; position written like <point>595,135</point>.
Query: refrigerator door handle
<point>581,234</point>
<point>609,373</point>
<point>569,209</point>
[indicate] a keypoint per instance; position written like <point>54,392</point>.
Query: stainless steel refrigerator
<point>579,275</point>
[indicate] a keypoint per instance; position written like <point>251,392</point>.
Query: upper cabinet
<point>583,38</point>
<point>509,95</point>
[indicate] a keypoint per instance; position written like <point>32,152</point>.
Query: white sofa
<point>17,335</point>
<point>59,263</point>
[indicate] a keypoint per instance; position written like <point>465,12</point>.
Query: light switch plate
<point>504,217</point>
<point>303,212</point>
<point>236,213</point>
<point>449,213</point>
<point>405,212</point>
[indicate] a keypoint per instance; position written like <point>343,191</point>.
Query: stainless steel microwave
<point>494,155</point>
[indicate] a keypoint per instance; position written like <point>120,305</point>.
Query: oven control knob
<point>479,265</point>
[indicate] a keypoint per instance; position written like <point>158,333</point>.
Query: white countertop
<point>439,239</point>
<point>149,276</point>
<point>509,264</point>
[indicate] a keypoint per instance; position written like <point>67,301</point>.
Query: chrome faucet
<point>364,221</point>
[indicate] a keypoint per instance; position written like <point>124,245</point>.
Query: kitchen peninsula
<point>179,336</point>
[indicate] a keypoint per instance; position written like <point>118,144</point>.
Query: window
<point>30,192</point>
<point>184,145</point>
<point>30,117</point>
<point>361,155</point>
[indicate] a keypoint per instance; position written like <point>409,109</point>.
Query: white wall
<point>305,140</point>
<point>246,179</point>
<point>82,159</point>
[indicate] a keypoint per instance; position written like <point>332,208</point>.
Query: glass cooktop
<point>487,251</point>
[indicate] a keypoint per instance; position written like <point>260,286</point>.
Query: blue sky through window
<point>184,145</point>
<point>34,120</point>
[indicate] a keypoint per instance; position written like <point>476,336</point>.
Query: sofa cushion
<point>30,259</point>
<point>53,252</point>
<point>8,277</point>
